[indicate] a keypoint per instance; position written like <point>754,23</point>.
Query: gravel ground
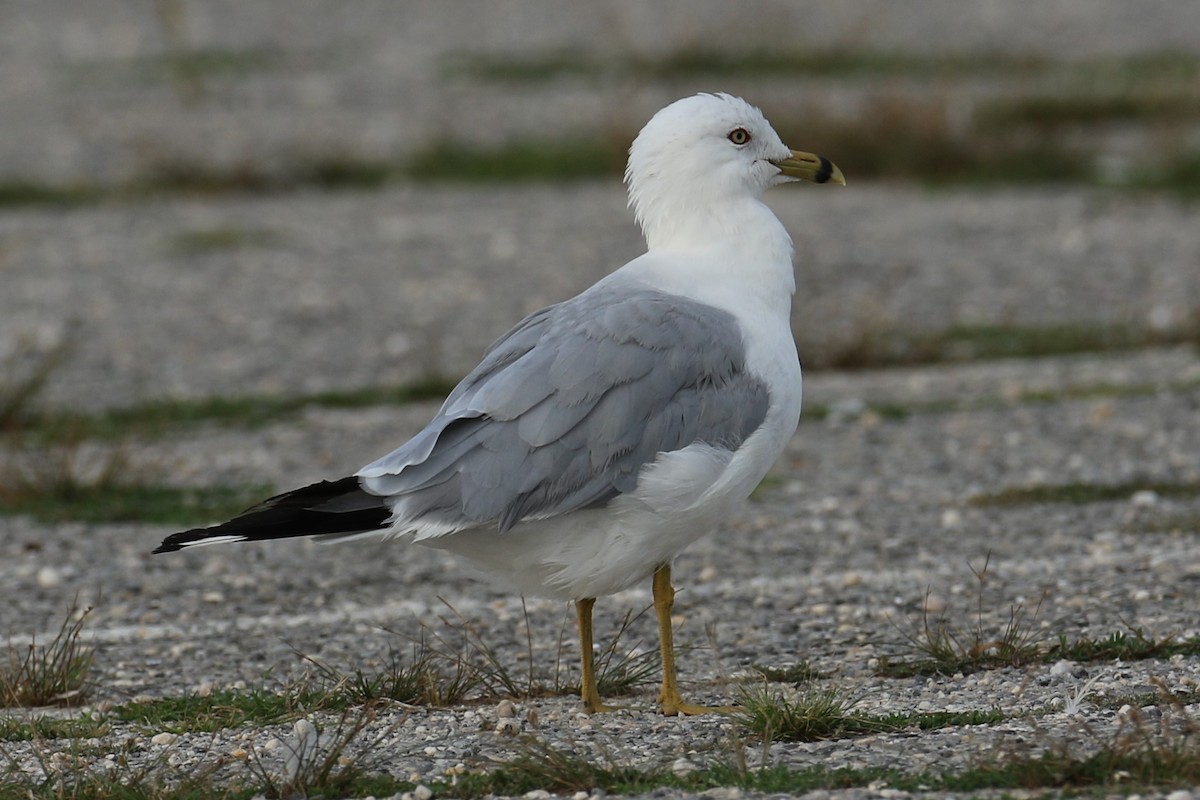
<point>352,290</point>
<point>865,524</point>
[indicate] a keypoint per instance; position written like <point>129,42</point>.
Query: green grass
<point>192,63</point>
<point>428,676</point>
<point>1119,764</point>
<point>115,502</point>
<point>544,66</point>
<point>1083,493</point>
<point>972,342</point>
<point>807,715</point>
<point>811,713</point>
<point>882,347</point>
<point>801,672</point>
<point>202,241</point>
<point>947,656</point>
<point>1130,760</point>
<point>157,417</point>
<point>1131,645</point>
<point>1052,111</point>
<point>16,730</point>
<point>223,708</point>
<point>902,411</point>
<point>19,193</point>
<point>543,767</point>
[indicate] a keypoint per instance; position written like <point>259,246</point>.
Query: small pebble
<point>847,409</point>
<point>507,726</point>
<point>163,738</point>
<point>537,794</point>
<point>1181,794</point>
<point>724,793</point>
<point>48,577</point>
<point>935,604</point>
<point>1144,498</point>
<point>422,792</point>
<point>682,767</point>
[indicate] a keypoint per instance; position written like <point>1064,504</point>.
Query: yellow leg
<point>588,690</point>
<point>669,698</point>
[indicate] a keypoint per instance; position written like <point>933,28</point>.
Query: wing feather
<point>566,409</point>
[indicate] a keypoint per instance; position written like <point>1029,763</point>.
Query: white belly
<point>681,497</point>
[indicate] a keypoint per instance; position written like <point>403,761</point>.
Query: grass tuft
<point>428,677</point>
<point>946,649</point>
<point>801,672</point>
<point>540,765</point>
<point>619,669</point>
<point>20,388</point>
<point>938,647</point>
<point>54,674</point>
<point>326,763</point>
<point>808,714</point>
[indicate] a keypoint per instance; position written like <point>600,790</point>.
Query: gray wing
<point>567,407</point>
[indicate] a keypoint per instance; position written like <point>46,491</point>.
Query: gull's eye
<point>739,136</point>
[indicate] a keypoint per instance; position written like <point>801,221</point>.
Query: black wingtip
<point>327,507</point>
<point>178,541</point>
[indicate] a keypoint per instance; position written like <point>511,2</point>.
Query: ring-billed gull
<point>602,435</point>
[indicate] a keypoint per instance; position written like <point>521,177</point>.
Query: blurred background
<point>303,201</point>
<point>176,95</point>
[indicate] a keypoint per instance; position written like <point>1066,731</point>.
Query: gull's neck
<point>743,237</point>
<point>743,230</point>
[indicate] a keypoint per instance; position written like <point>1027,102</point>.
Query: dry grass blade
<point>52,674</point>
<point>428,677</point>
<point>947,649</point>
<point>16,396</point>
<point>320,762</point>
<point>542,766</point>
